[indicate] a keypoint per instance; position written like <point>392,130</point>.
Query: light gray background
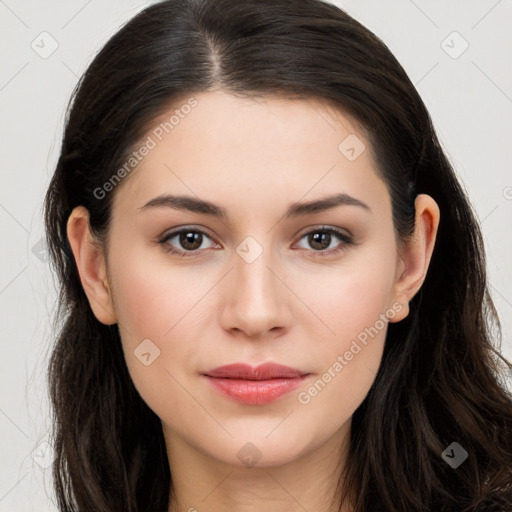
<point>469,98</point>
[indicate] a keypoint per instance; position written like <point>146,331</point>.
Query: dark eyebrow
<point>196,205</point>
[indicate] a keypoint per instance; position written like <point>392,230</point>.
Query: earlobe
<point>415,258</point>
<point>90,261</point>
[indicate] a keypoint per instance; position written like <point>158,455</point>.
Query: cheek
<point>150,297</point>
<point>151,303</point>
<point>352,298</point>
<point>145,304</point>
<point>157,341</point>
<point>355,308</point>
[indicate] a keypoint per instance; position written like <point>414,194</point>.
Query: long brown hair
<point>439,378</point>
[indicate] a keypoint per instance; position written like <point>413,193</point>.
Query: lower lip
<point>255,392</point>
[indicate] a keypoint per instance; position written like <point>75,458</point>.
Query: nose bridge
<point>255,301</point>
<point>254,257</point>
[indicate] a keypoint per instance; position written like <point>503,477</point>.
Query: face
<point>313,290</point>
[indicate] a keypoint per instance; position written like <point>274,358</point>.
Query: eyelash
<point>345,241</point>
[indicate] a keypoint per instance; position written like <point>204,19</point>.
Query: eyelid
<point>326,227</point>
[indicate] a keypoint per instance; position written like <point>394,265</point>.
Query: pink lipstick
<point>255,386</point>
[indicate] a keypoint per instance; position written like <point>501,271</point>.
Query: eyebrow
<point>299,209</point>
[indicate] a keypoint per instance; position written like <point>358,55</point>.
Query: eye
<point>321,238</point>
<point>191,240</point>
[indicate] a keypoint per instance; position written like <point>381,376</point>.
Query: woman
<point>259,368</point>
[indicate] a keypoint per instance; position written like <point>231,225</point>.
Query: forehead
<point>227,145</point>
<point>219,117</point>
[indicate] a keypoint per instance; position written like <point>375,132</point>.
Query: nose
<point>256,297</point>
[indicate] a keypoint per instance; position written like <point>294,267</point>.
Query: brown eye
<point>189,240</point>
<point>320,240</point>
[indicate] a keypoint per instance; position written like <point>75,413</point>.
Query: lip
<point>264,371</point>
<point>263,384</point>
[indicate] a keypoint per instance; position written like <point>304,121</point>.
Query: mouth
<point>255,386</point>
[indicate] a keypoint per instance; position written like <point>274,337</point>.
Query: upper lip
<point>262,372</point>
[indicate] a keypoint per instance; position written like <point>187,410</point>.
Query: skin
<point>254,158</point>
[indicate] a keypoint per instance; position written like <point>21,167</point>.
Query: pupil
<point>189,238</point>
<point>319,238</point>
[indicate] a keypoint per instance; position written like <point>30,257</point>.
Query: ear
<point>415,257</point>
<point>90,261</point>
